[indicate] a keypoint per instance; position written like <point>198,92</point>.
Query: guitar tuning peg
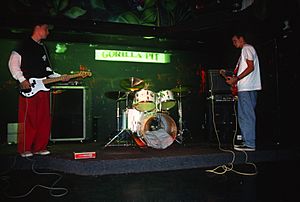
<point>82,68</point>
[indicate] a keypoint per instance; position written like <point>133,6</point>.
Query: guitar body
<point>36,86</point>
<point>234,90</point>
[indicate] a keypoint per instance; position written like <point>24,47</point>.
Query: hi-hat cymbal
<point>115,95</point>
<point>132,83</point>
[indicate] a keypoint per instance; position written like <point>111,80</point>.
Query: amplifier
<point>70,111</point>
<point>216,83</point>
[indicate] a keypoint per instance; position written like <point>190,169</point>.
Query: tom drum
<point>165,100</point>
<point>144,100</point>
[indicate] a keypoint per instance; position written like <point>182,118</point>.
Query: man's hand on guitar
<point>25,85</point>
<point>231,80</point>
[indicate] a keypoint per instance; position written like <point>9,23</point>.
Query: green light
<point>132,56</point>
<point>60,48</point>
<point>149,37</point>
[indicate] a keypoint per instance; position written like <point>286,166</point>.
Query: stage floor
<point>127,157</point>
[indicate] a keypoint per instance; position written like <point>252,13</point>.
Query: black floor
<point>274,182</point>
<point>195,171</point>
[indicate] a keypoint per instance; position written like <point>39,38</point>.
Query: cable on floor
<point>52,189</point>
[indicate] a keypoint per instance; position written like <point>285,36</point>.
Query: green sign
<point>132,56</point>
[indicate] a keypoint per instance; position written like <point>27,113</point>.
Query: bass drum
<point>157,130</point>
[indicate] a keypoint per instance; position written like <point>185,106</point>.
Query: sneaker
<point>244,148</point>
<point>43,152</point>
<point>238,145</point>
<point>27,154</point>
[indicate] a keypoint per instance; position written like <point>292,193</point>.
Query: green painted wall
<point>106,78</point>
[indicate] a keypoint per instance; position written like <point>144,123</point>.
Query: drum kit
<point>146,114</point>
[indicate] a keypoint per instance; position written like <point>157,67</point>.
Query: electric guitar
<point>38,84</point>
<point>234,89</point>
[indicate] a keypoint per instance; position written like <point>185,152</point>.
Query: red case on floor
<point>84,155</point>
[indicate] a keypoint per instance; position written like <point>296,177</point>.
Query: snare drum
<point>165,100</point>
<point>144,100</point>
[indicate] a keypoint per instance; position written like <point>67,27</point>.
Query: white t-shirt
<point>252,80</point>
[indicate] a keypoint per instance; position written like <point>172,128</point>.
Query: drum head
<point>167,105</point>
<point>158,121</point>
<point>144,106</point>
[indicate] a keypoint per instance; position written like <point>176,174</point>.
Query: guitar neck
<point>57,79</point>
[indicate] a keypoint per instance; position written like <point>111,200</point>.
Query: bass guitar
<point>234,89</point>
<point>38,84</point>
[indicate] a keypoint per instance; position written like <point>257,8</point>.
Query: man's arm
<point>14,65</point>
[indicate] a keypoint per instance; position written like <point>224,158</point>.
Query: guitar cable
<point>53,191</point>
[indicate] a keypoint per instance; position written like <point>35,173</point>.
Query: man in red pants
<point>31,60</point>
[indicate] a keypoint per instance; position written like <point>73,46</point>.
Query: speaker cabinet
<point>70,110</point>
<point>221,117</point>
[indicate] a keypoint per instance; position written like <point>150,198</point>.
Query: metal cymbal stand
<point>181,130</point>
<point>118,116</point>
<point>179,137</point>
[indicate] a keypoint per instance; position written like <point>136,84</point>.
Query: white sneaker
<point>27,154</point>
<point>43,152</point>
<point>245,148</point>
<point>238,145</point>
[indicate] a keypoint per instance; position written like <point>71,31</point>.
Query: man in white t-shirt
<point>248,82</point>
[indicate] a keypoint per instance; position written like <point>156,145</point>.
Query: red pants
<point>34,122</point>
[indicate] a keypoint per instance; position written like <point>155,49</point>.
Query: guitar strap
<point>235,71</point>
<point>46,52</point>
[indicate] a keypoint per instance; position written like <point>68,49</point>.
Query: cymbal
<point>132,83</point>
<point>115,95</point>
<point>180,89</point>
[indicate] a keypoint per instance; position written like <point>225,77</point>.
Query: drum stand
<point>117,135</point>
<point>118,120</point>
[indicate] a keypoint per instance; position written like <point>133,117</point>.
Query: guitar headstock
<point>222,71</point>
<point>84,74</point>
